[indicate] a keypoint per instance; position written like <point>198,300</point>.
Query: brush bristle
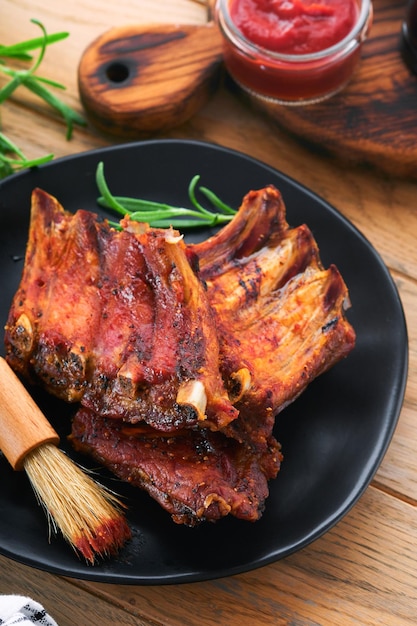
<point>88,515</point>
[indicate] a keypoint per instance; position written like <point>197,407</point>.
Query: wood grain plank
<point>66,603</point>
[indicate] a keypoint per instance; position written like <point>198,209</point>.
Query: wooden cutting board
<point>374,119</point>
<point>171,71</point>
<point>140,79</point>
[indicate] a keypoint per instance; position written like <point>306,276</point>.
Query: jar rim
<point>355,35</point>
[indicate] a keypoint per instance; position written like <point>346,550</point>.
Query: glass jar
<point>291,79</point>
<point>409,36</point>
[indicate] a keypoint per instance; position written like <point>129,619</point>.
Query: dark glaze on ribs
<point>116,320</point>
<point>196,475</point>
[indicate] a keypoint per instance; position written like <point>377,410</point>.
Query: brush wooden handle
<point>23,426</point>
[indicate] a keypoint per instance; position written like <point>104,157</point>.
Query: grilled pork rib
<point>180,357</point>
<point>280,315</point>
<point>117,321</point>
<point>196,475</point>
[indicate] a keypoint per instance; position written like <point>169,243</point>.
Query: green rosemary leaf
<point>70,116</point>
<point>162,215</point>
<point>11,158</point>
<point>9,88</point>
<point>21,50</point>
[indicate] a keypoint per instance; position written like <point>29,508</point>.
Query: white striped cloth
<point>23,611</point>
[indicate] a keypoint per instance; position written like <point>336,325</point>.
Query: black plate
<point>334,436</point>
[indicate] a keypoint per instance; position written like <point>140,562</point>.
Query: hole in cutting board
<point>117,72</point>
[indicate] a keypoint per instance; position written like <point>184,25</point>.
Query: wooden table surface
<point>363,571</point>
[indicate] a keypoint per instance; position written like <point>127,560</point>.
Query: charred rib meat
<point>196,475</point>
<point>117,321</point>
<point>280,315</point>
<point>179,356</point>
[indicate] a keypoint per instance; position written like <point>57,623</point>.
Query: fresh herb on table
<point>9,164</point>
<point>11,157</point>
<point>162,215</point>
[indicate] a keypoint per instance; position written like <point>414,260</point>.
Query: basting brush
<point>89,516</point>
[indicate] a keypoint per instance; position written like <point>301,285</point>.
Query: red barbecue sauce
<point>292,27</point>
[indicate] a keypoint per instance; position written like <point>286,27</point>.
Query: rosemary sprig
<point>16,159</point>
<point>161,215</point>
<point>11,157</point>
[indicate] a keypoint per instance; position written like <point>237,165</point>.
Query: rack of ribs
<point>178,357</point>
<point>280,316</point>
<point>117,320</point>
